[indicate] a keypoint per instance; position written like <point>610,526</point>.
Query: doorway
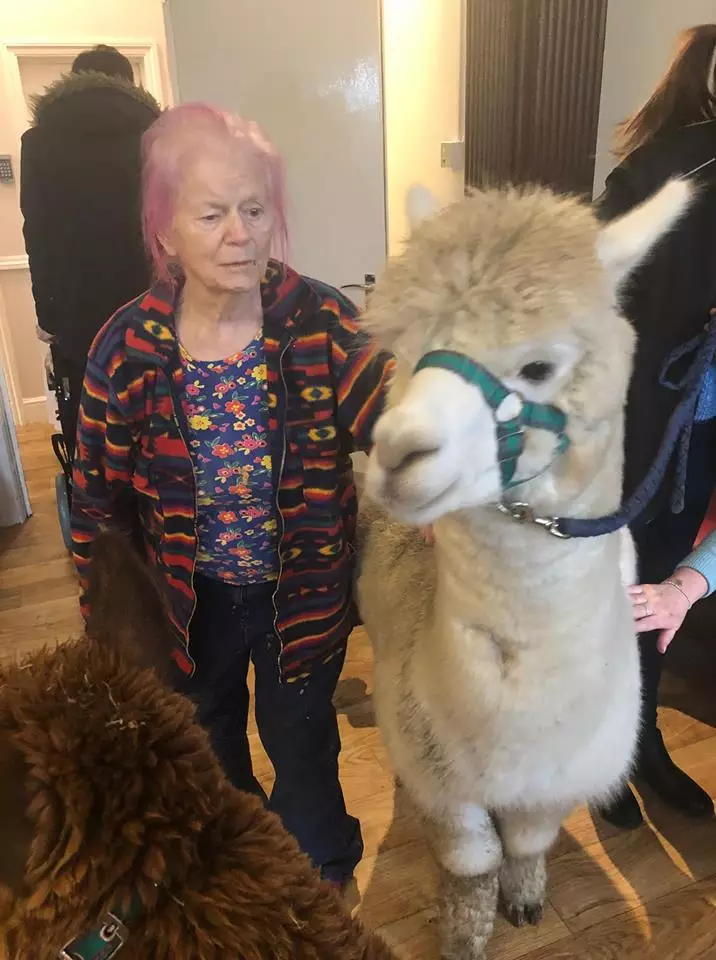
<point>26,68</point>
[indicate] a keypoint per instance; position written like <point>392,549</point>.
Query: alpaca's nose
<point>401,440</point>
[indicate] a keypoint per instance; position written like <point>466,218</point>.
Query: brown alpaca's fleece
<point>122,794</point>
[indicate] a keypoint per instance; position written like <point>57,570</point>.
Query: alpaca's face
<point>526,287</point>
<point>436,448</point>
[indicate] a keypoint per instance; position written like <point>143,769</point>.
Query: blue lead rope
<point>678,433</point>
<point>510,434</point>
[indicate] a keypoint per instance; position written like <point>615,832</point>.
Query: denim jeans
<point>296,721</point>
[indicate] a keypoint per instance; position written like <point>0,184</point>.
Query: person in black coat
<point>80,197</point>
<point>668,301</point>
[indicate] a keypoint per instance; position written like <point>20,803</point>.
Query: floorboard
<point>651,893</point>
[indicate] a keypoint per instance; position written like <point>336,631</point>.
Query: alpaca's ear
<point>420,204</point>
<point>127,606</point>
<point>625,242</point>
<point>15,828</point>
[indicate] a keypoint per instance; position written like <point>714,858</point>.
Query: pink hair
<point>180,134</point>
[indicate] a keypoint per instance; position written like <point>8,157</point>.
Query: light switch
<point>452,154</point>
<point>6,174</point>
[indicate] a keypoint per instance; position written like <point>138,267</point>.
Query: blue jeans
<point>296,721</point>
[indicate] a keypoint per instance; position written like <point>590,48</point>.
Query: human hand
<point>428,534</point>
<point>660,606</point>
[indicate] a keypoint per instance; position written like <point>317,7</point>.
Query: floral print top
<point>237,518</point>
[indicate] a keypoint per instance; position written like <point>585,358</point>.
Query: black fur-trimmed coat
<point>80,197</point>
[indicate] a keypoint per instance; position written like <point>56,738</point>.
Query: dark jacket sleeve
<point>362,373</point>
<point>102,472</point>
<point>619,195</point>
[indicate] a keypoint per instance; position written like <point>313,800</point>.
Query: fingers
<point>664,639</point>
<point>640,601</point>
<point>653,611</point>
<point>642,609</point>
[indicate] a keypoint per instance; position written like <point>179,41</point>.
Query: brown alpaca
<point>110,795</point>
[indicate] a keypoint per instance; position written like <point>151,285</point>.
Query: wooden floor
<point>651,893</point>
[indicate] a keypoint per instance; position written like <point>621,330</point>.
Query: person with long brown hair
<point>669,302</point>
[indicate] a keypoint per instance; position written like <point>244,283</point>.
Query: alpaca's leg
<point>469,852</point>
<point>526,835</point>
<point>467,914</point>
<point>523,885</point>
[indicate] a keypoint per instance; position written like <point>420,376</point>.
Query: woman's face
<point>223,222</point>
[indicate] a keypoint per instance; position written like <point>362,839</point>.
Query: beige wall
<point>422,89</point>
<point>72,22</point>
<point>639,42</point>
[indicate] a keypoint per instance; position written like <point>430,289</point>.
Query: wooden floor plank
<point>650,893</point>
<point>680,926</point>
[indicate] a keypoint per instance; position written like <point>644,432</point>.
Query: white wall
<point>423,67</point>
<point>75,23</point>
<point>640,39</point>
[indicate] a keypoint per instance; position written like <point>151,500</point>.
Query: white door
<point>309,73</point>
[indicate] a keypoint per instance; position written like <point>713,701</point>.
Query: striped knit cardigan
<point>133,471</point>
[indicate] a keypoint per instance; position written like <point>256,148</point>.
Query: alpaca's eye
<point>537,372</point>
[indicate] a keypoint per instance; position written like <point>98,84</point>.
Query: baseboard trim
<point>20,262</point>
<point>34,409</point>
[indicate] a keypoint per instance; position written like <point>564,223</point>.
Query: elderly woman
<point>218,417</point>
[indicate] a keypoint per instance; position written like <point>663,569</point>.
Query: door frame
<point>12,52</point>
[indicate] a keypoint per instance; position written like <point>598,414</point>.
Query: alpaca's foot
<point>467,915</point>
<point>528,913</point>
<point>523,886</point>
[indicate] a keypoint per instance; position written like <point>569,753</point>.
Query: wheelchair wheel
<point>59,448</point>
<point>63,509</point>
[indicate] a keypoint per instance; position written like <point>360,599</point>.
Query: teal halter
<point>518,412</point>
<point>106,939</point>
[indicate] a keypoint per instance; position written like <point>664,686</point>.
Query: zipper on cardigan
<point>278,508</point>
<point>196,540</point>
<point>176,405</point>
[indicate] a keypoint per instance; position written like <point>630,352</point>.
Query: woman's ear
<point>15,828</point>
<point>168,246</point>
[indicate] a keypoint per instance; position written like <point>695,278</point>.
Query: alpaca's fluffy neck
<point>493,570</point>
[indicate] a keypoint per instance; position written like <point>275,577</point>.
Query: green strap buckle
<point>102,943</point>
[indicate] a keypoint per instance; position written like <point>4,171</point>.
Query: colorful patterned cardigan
<point>326,385</point>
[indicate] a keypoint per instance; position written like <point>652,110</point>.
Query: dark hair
<point>103,59</point>
<point>685,94</point>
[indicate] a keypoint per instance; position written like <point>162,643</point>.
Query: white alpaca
<point>506,666</point>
